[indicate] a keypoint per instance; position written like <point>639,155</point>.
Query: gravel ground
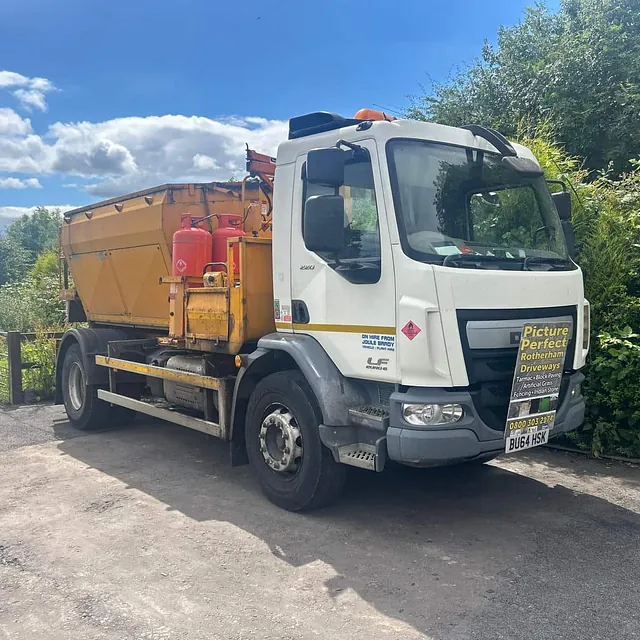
<point>149,533</point>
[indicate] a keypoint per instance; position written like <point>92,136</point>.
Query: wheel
<point>295,470</point>
<point>84,409</point>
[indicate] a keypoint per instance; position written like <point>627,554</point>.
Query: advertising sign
<point>536,384</point>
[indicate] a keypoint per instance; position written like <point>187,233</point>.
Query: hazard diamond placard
<point>411,329</point>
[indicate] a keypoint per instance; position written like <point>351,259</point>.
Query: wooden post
<point>16,395</point>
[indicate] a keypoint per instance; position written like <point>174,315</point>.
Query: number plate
<point>526,441</point>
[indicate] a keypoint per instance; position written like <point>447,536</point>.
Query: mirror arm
<point>350,145</point>
<point>559,182</point>
<point>357,149</point>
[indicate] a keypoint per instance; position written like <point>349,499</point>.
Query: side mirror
<point>569,237</point>
<point>323,224</point>
<point>562,200</point>
<point>326,166</point>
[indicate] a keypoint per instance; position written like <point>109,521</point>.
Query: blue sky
<point>98,98</point>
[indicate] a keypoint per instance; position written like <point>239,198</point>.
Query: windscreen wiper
<point>468,260</point>
<point>553,262</point>
<point>480,260</point>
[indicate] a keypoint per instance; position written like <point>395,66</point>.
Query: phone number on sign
<point>534,421</point>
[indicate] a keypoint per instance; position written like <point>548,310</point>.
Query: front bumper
<point>471,437</point>
<point>468,439</point>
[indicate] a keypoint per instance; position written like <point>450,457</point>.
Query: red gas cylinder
<point>191,249</point>
<point>229,226</point>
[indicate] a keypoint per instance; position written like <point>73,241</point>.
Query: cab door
<point>346,300</point>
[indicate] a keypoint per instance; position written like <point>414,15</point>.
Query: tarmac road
<point>148,533</point>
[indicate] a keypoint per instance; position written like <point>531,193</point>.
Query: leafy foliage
<point>36,232</point>
<point>14,260</point>
<point>606,217</point>
<point>577,69</point>
<point>23,242</point>
<point>613,410</point>
<point>29,293</point>
<point>30,304</point>
<point>45,266</point>
<point>33,305</point>
<point>40,379</point>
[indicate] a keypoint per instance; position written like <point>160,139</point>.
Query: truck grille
<point>490,371</point>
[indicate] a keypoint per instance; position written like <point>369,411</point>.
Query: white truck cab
<point>412,257</point>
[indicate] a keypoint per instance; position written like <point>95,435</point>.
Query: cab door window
<point>360,260</point>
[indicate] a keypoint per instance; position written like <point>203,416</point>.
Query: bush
<point>40,379</point>
<point>606,218</point>
<point>612,423</point>
<point>46,266</point>
<point>31,304</point>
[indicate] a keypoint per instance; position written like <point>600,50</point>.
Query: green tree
<point>14,260</point>
<point>46,265</point>
<point>578,69</point>
<point>36,232</point>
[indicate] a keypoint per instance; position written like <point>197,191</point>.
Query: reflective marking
<point>338,328</point>
<point>185,377</point>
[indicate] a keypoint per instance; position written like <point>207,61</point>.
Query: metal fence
<point>12,363</point>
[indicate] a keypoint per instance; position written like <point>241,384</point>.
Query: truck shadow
<point>439,549</point>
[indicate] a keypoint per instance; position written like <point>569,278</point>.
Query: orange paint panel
<point>138,271</point>
<point>93,275</point>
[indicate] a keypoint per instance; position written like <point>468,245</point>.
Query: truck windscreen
<point>465,207</point>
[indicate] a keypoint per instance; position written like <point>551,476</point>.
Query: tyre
<point>295,470</point>
<point>84,409</point>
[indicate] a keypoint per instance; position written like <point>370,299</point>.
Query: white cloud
<point>16,183</point>
<point>93,158</point>
<point>30,92</point>
<point>179,148</point>
<point>24,154</point>
<point>125,154</point>
<point>11,124</point>
<point>204,163</point>
<point>31,98</point>
<point>16,212</point>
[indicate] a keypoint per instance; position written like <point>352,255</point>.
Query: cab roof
<point>323,129</point>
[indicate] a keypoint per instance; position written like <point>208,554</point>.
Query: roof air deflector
<point>318,122</point>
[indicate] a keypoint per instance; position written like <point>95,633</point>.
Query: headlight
<point>432,414</point>
<point>586,325</point>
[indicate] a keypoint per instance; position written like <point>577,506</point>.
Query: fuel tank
<point>185,395</point>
